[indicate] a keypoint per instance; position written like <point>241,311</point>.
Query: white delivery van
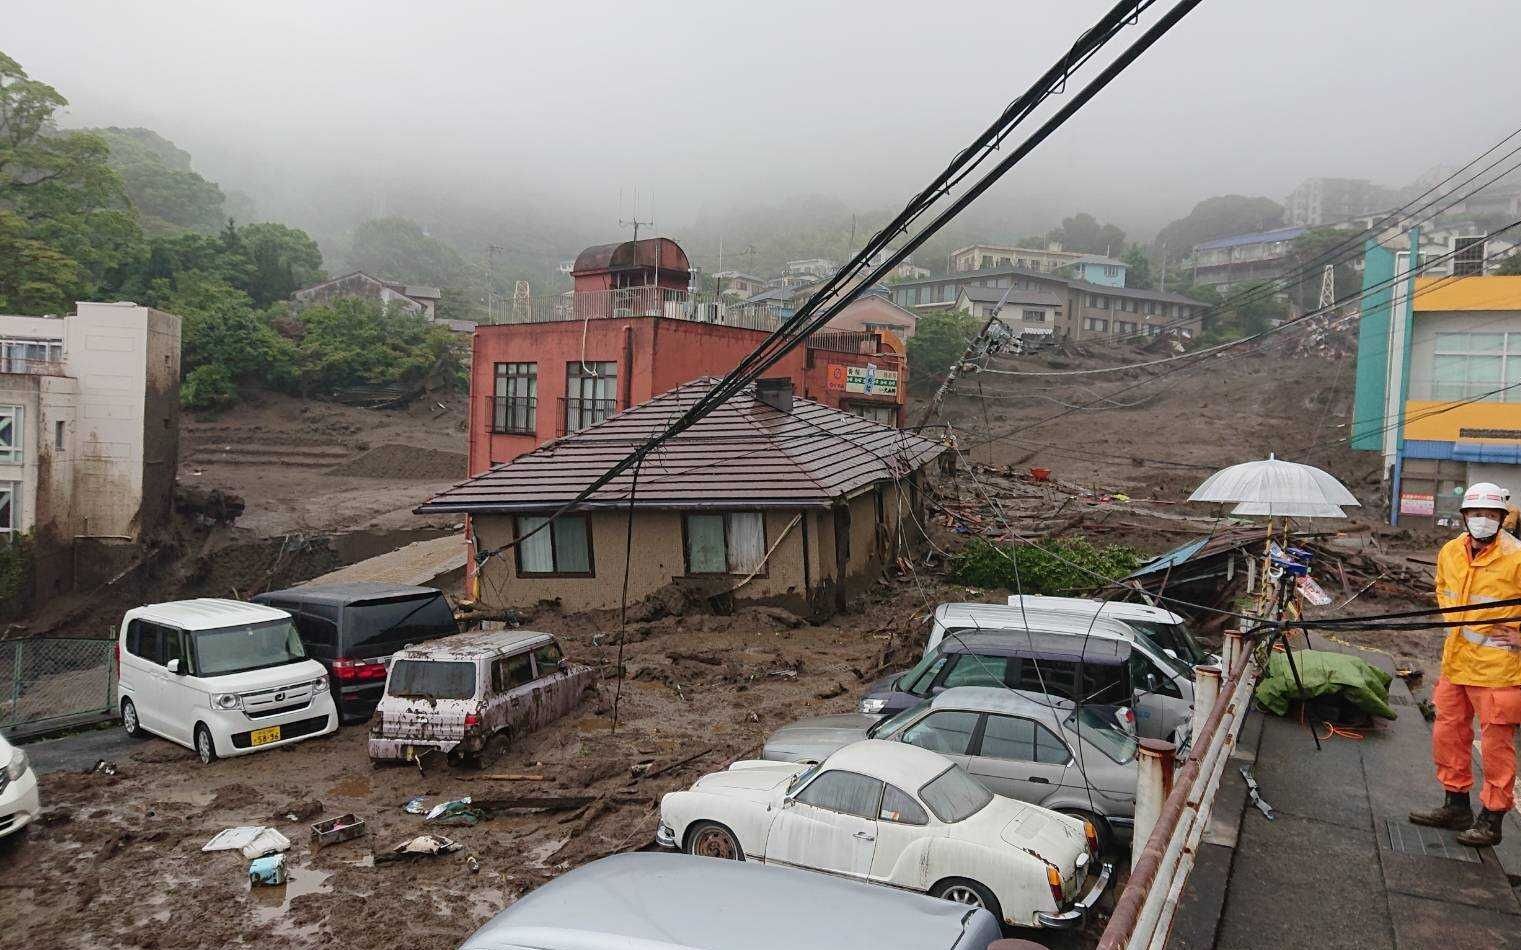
<point>1163,685</point>
<point>1167,630</point>
<point>222,677</point>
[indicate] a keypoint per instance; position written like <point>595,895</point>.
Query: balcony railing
<point>626,302</point>
<point>514,414</point>
<point>17,364</point>
<point>576,414</point>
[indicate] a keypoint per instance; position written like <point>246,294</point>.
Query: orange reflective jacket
<point>1473,655</point>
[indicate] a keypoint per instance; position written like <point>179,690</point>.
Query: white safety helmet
<point>1485,495</point>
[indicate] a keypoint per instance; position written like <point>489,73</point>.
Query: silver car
<point>1030,746</point>
<point>683,902</point>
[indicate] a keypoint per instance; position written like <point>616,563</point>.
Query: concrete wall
<point>161,419</point>
<point>659,557</point>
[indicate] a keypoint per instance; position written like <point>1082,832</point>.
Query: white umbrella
<point>1273,481</point>
<point>1305,509</point>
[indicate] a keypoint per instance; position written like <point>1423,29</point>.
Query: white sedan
<point>895,814</point>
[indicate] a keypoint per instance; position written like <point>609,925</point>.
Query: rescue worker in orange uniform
<point>1481,670</point>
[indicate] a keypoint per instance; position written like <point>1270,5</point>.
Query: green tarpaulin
<point>1323,673</point>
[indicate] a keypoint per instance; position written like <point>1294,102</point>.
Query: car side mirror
<point>173,666</point>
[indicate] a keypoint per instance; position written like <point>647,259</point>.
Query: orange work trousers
<point>1499,711</point>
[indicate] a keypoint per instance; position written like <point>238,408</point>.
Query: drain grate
<point>1405,838</point>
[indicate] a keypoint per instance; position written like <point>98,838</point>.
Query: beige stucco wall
<point>658,558</point>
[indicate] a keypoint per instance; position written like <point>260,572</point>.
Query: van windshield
<point>245,647</point>
<point>1174,637</point>
<point>429,679</point>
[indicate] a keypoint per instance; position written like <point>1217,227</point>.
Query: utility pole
<point>966,356</point>
<point>1327,286</point>
<point>492,250</point>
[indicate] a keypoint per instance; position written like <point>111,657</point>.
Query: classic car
<point>895,814</point>
<point>1036,748</point>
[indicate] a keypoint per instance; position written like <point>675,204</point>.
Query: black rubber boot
<point>1455,812</point>
<point>1485,832</point>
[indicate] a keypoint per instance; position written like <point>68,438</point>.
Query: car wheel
<point>708,839</point>
<point>129,721</point>
<point>204,746</point>
<point>1105,835</point>
<point>494,749</point>
<point>962,891</point>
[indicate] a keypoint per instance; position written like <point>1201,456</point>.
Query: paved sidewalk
<point>1340,867</point>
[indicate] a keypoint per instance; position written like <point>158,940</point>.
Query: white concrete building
<point>89,422</point>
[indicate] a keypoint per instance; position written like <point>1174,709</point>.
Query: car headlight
<point>871,707</point>
<point>226,701</point>
<point>18,766</point>
<point>319,684</point>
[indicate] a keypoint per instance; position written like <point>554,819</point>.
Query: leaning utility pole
<point>966,356</point>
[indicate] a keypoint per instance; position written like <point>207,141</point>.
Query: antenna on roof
<point>633,221</point>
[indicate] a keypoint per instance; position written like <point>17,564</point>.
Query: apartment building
<point>89,422</point>
<point>1227,262</point>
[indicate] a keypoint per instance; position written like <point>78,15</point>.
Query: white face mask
<point>1482,527</point>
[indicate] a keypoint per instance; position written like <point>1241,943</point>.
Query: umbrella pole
<point>1288,653</point>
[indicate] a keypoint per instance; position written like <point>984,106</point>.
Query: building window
<point>1097,324</point>
<point>30,356</point>
<point>730,543</point>
<point>880,413</point>
<point>1111,271</point>
<point>1468,256</point>
<point>58,435</point>
<point>987,261</point>
<point>591,394</point>
<point>1472,365</point>
<point>10,507</point>
<point>563,549</point>
<point>516,398</point>
<point>1034,316</point>
<point>10,433</point>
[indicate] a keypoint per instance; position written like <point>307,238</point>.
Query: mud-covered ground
<point>117,860</point>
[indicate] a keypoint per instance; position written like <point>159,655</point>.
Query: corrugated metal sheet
<point>743,454</point>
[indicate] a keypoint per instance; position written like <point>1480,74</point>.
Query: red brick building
<point>630,331</point>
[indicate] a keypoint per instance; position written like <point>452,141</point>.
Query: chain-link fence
<point>54,682</point>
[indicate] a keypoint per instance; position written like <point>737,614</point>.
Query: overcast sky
<point>713,103</point>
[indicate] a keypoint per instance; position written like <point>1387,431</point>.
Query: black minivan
<point>354,628</point>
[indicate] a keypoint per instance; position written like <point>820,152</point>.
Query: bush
<point>208,387</point>
<point>15,574</point>
<point>1053,566</point>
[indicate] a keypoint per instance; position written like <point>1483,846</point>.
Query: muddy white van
<point>222,677</point>
<point>468,695</point>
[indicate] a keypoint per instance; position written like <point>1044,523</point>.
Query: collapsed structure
<point>769,497</point>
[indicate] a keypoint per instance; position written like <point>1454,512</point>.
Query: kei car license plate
<point>264,736</point>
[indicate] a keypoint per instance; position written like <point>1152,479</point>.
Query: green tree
<point>163,188</point>
<point>1138,268</point>
<point>1510,266</point>
<point>1083,232</point>
<point>1221,216</point>
<point>940,337</point>
<point>225,341</point>
<point>399,249</point>
<point>353,342</point>
<point>1310,252</point>
<point>1248,309</point>
<point>284,260</point>
<point>34,277</point>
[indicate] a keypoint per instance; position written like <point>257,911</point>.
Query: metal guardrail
<point>626,302</point>
<point>1172,811</point>
<point>49,683</point>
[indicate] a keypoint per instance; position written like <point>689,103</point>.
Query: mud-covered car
<point>468,695</point>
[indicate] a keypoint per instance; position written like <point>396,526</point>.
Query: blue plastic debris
<point>267,870</point>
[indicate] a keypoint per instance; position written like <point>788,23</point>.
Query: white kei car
<point>18,789</point>
<point>895,814</point>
